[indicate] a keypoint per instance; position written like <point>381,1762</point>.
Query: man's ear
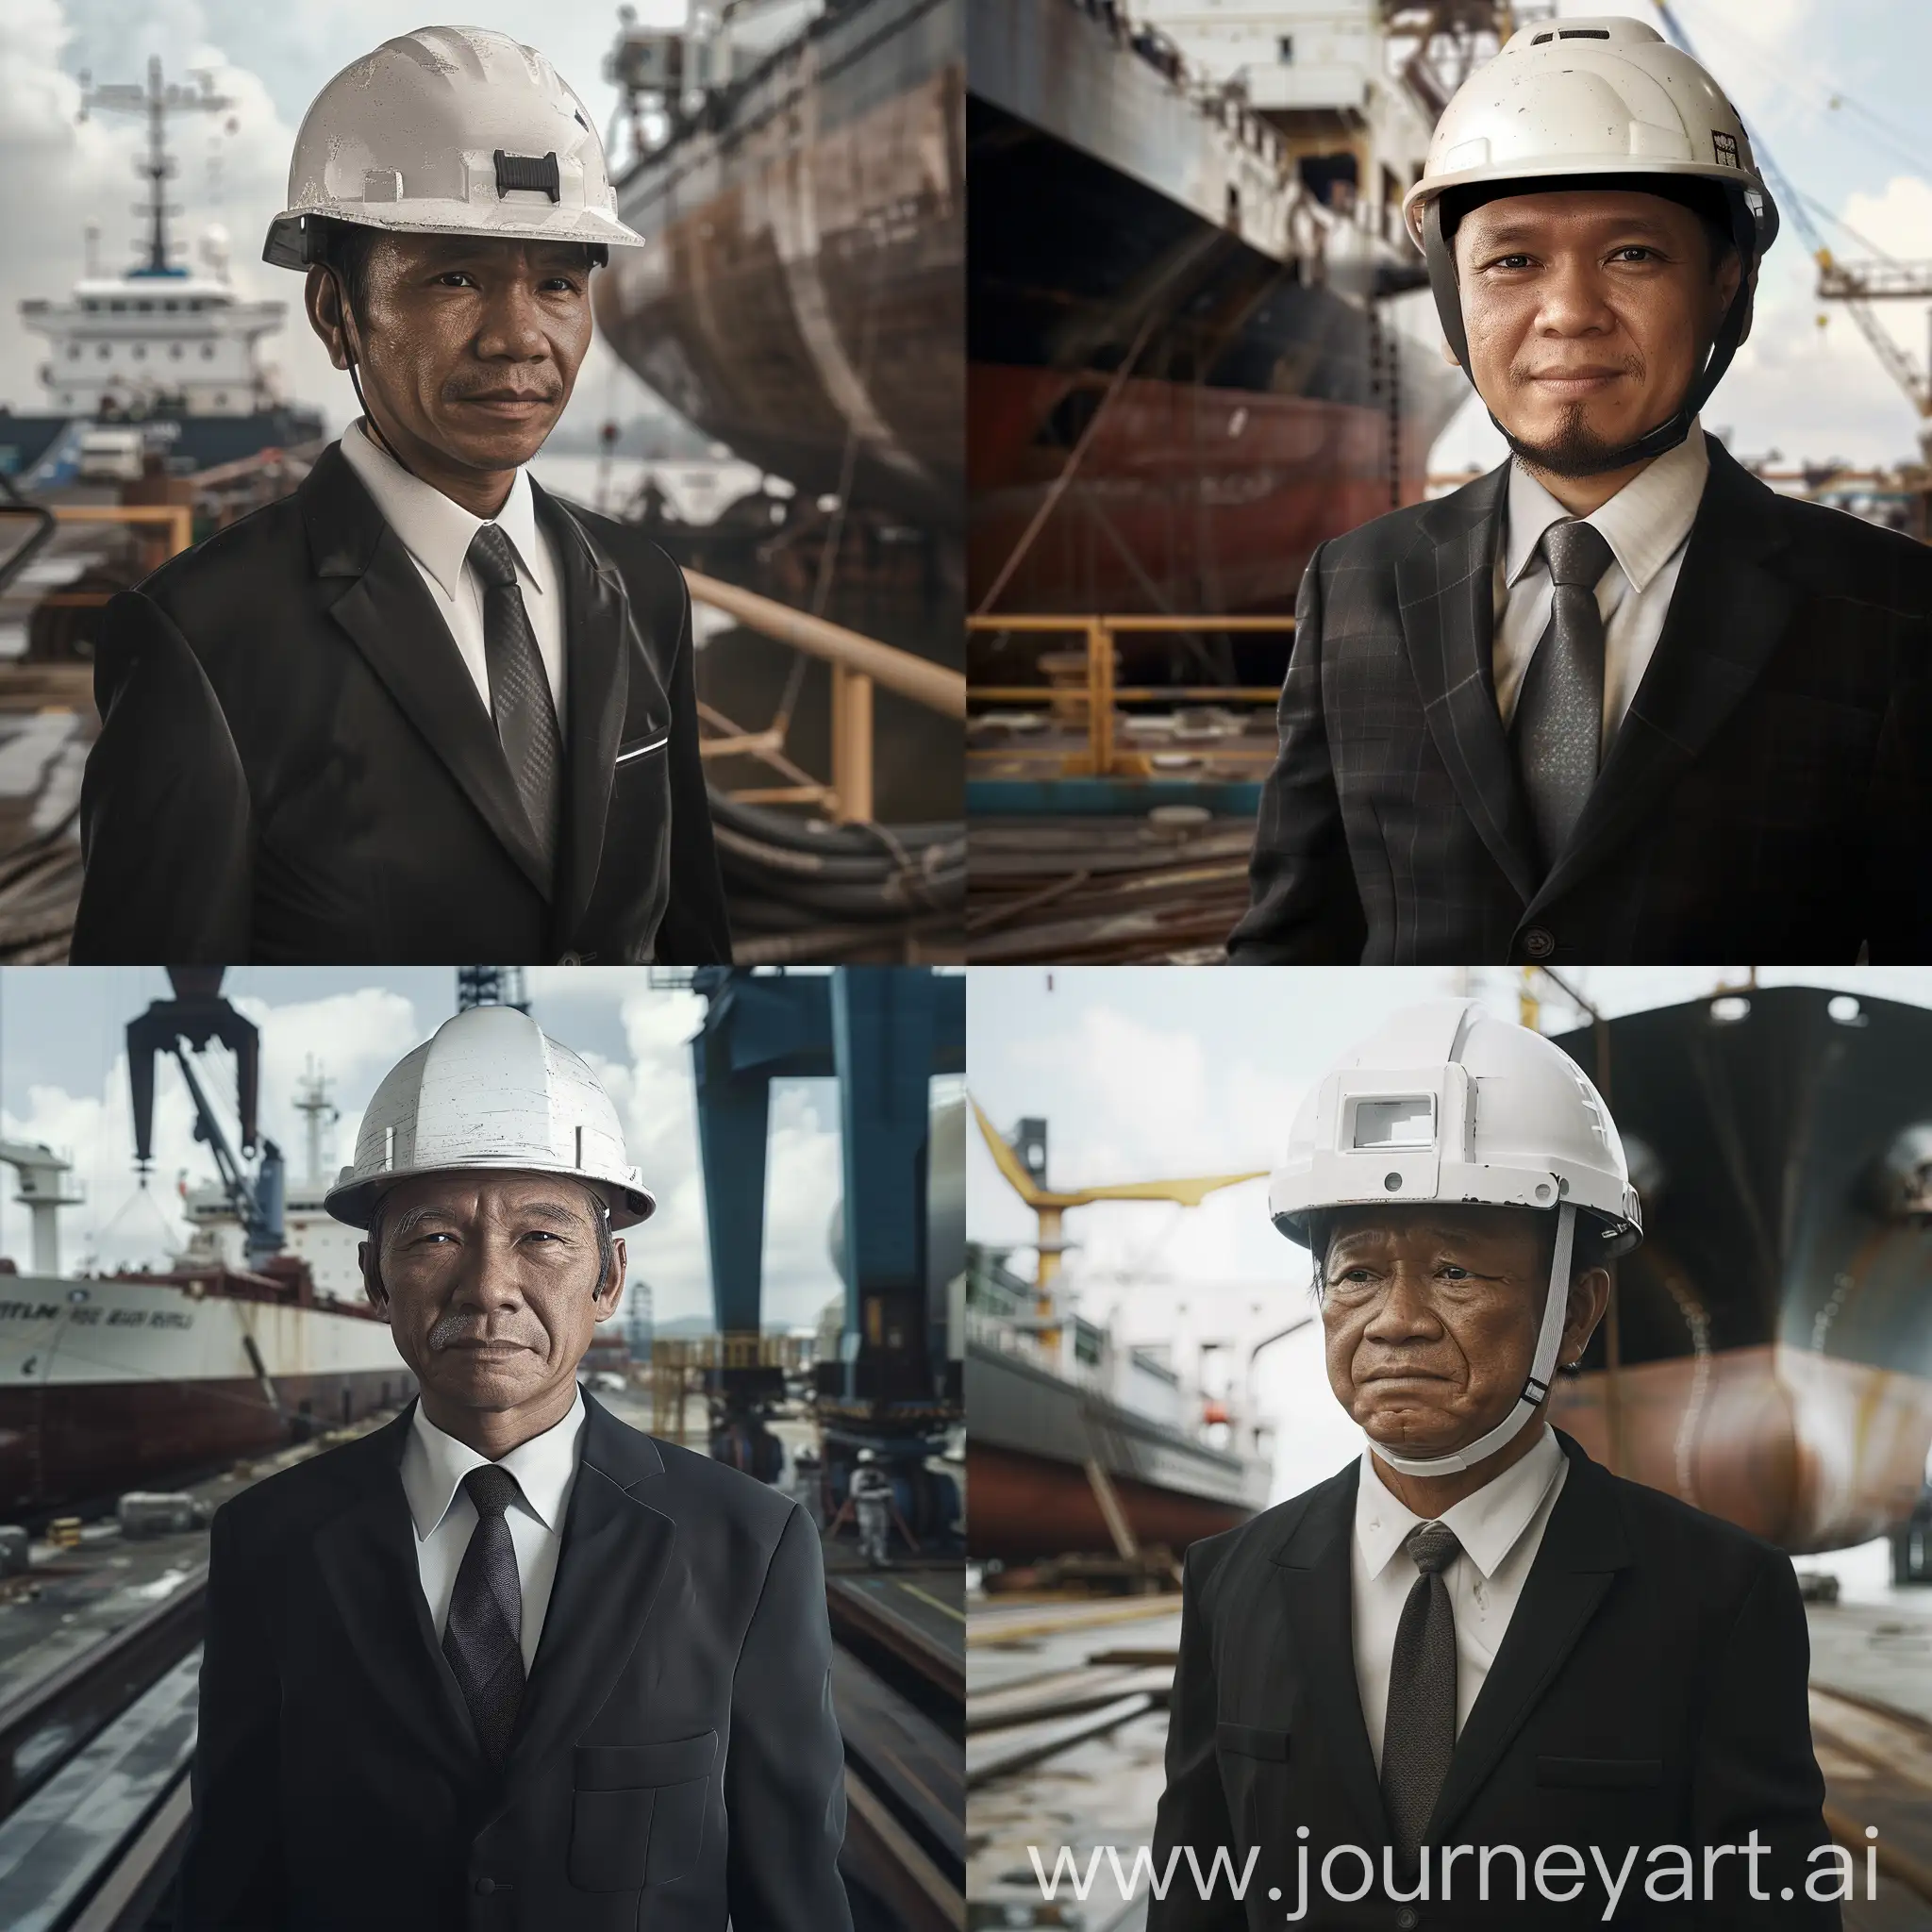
<point>371,1280</point>
<point>323,298</point>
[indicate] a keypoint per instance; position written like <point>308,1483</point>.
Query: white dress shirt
<point>1500,1528</point>
<point>545,1467</point>
<point>1647,526</point>
<point>436,532</point>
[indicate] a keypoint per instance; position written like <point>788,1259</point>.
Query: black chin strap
<point>1668,434</point>
<point>375,428</point>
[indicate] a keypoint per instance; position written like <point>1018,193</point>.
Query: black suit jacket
<point>1767,796</point>
<point>675,1757</point>
<point>1650,1690</point>
<point>295,765</point>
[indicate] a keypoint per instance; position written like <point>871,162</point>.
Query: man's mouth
<point>509,402</point>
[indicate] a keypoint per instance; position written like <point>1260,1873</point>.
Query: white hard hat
<point>1449,1104</point>
<point>1595,98</point>
<point>490,1090</point>
<point>868,1456</point>
<point>452,130</point>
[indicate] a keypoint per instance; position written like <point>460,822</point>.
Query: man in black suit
<point>1475,1679</point>
<point>420,709</point>
<point>1617,700</point>
<point>509,1665</point>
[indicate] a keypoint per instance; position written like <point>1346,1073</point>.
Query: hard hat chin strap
<point>1439,254</point>
<point>382,443</point>
<point>1542,1367</point>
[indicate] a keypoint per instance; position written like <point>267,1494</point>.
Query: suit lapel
<point>1582,1549</point>
<point>616,1551</point>
<point>1312,1564</point>
<point>1446,588</point>
<point>387,615</point>
<point>1728,614</point>
<point>597,692</point>
<point>367,1556</point>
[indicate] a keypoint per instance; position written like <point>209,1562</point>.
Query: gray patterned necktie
<point>1559,710</point>
<point>1418,1734</point>
<point>483,1638</point>
<point>519,690</point>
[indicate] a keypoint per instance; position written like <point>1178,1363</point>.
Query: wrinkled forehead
<point>478,1194</point>
<point>1582,214</point>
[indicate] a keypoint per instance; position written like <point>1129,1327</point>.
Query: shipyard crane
<point>1856,284</point>
<point>195,1018</point>
<point>1023,1162</point>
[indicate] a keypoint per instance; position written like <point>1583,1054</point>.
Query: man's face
<point>490,1284</point>
<point>1588,311</point>
<point>466,348</point>
<point>1431,1315</point>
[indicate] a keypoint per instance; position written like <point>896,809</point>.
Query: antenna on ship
<point>157,102</point>
<point>318,1112</point>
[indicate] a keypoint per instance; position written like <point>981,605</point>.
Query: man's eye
<point>1454,1271</point>
<point>453,277</point>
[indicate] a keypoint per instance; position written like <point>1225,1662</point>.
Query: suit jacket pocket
<point>637,1812</point>
<point>632,750</point>
<point>1251,1740</point>
<point>1600,1773</point>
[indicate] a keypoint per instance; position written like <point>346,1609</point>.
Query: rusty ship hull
<point>802,298</point>
<point>1256,394</point>
<point>1769,1358</point>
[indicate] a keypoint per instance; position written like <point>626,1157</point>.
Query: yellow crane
<point>1050,1204</point>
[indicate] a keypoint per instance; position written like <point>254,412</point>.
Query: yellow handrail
<point>1100,759</point>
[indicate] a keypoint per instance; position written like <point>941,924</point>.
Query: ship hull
<point>1032,1434</point>
<point>1276,397</point>
<point>112,1385</point>
<point>1774,1332</point>
<point>801,298</point>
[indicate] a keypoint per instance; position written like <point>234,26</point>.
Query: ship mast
<point>318,1111</point>
<point>157,102</point>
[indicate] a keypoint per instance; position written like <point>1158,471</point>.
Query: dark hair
<point>1707,200</point>
<point>345,247</point>
<point>600,1219</point>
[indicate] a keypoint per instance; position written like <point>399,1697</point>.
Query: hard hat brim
<point>355,1203</point>
<point>289,241</point>
<point>1548,177</point>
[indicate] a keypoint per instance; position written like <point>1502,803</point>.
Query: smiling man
<point>508,1664</point>
<point>1475,1679</point>
<point>420,710</point>
<point>1616,700</point>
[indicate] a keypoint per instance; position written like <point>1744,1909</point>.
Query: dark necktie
<point>1418,1734</point>
<point>483,1637</point>
<point>1559,710</point>
<point>519,691</point>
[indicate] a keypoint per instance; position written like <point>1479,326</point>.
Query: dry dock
<point>100,1652</point>
<point>1068,1720</point>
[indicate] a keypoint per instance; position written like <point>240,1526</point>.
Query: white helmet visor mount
<point>1466,1110</point>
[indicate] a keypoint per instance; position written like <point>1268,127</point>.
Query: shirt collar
<point>436,530</point>
<point>1488,1525</point>
<point>1644,524</point>
<point>435,1464</point>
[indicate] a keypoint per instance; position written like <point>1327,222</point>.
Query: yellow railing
<point>858,662</point>
<point>676,1369</point>
<point>1102,691</point>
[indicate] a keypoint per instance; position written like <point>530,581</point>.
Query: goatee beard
<point>1576,450</point>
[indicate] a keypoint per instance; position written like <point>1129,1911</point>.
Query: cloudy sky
<point>63,1082</point>
<point>270,61</point>
<point>1142,1076</point>
<point>1831,87</point>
